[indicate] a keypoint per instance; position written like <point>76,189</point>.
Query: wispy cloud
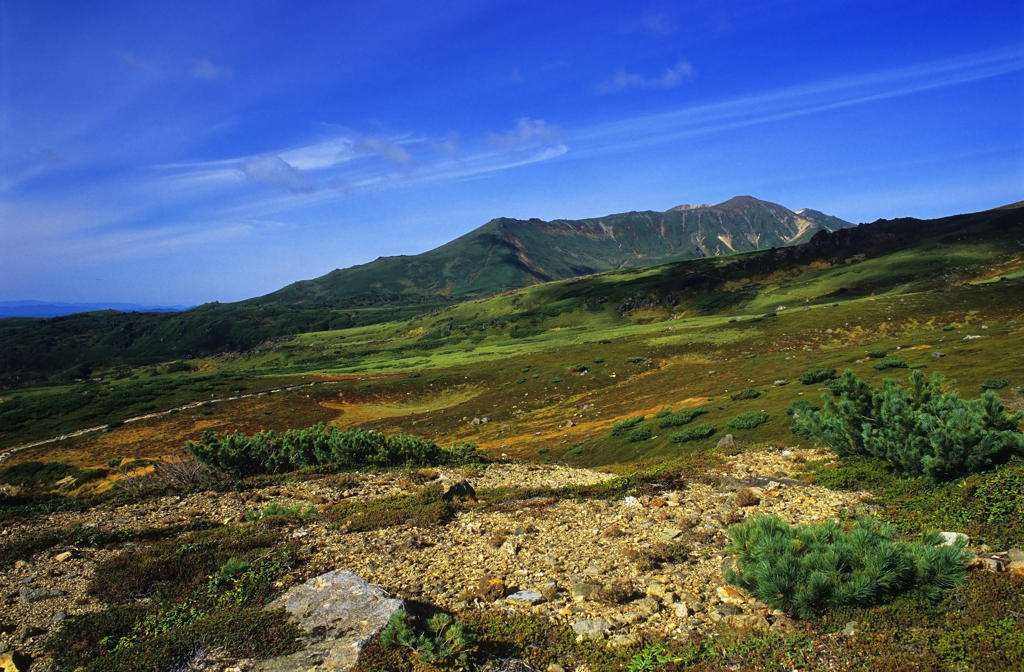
<point>658,24</point>
<point>791,102</point>
<point>387,150</point>
<point>205,69</point>
<point>527,132</point>
<point>621,79</point>
<point>274,171</point>
<point>135,62</point>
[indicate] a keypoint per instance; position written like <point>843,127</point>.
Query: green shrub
<point>810,569</point>
<point>679,418</point>
<point>995,384</point>
<point>267,452</point>
<point>556,379</point>
<point>520,381</point>
<point>695,433</point>
<point>443,643</point>
<point>949,327</point>
<point>920,432</point>
<point>639,434</point>
<point>748,420</point>
<point>889,362</point>
<point>598,360</point>
<point>577,369</point>
<point>877,354</point>
<point>178,367</point>
<point>624,427</point>
<point>750,393</point>
<point>815,376</point>
<point>801,407</point>
<point>635,360</point>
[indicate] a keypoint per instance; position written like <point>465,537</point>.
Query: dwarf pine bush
<point>443,643</point>
<point>267,452</point>
<point>748,420</point>
<point>817,376</point>
<point>805,570</point>
<point>922,431</point>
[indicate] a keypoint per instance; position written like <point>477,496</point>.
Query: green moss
<point>422,509</point>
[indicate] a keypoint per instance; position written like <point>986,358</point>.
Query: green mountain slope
<point>511,253</point>
<point>831,266</point>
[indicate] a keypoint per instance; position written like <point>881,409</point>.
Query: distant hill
<point>512,253</point>
<point>56,309</point>
<point>831,266</point>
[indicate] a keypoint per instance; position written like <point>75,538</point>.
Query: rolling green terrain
<point>640,371</point>
<point>501,255</point>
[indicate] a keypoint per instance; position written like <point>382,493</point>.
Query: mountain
<point>511,253</point>
<point>56,309</point>
<point>832,266</point>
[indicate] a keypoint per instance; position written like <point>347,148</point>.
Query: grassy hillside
<point>509,253</point>
<point>639,372</point>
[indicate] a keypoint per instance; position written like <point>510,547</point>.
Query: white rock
<point>951,537</point>
<point>341,613</point>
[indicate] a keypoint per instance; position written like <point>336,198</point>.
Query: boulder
<point>590,629</point>
<point>950,538</point>
<point>525,597</point>
<point>340,613</point>
<point>30,595</point>
<point>460,490</point>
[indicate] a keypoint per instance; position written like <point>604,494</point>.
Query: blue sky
<point>183,152</point>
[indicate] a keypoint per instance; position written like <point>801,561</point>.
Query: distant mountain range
<point>55,309</point>
<point>508,253</point>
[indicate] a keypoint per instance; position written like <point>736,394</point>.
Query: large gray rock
<point>590,629</point>
<point>340,613</point>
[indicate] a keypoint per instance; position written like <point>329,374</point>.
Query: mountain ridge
<point>508,253</point>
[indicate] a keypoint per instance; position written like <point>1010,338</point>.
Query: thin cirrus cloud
<point>205,69</point>
<point>272,170</point>
<point>527,132</point>
<point>386,150</point>
<point>621,79</point>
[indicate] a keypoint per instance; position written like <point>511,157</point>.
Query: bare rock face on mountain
<point>340,613</point>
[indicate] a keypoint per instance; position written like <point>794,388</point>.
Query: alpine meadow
<point>507,432</point>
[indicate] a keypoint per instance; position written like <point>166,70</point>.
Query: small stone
<point>549,590</point>
<point>593,570</point>
<point>7,663</point>
<point>490,588</point>
<point>630,501</point>
<point>950,538</point>
<point>646,606</point>
<point>30,595</point>
<point>59,616</point>
<point>590,629</point>
<point>555,667</point>
<point>622,641</point>
<point>459,490</point>
<point>850,630</point>
<point>525,597</point>
<point>1015,555</point>
<point>658,502</point>
<point>670,533</point>
<point>510,547</point>
<point>61,557</point>
<point>726,441</point>
<point>938,354</point>
<point>583,590</point>
<point>730,595</point>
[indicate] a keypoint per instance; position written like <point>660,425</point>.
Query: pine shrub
<point>889,362</point>
<point>639,434</point>
<point>443,643</point>
<point>995,384</point>
<point>806,570</point>
<point>815,376</point>
<point>922,431</point>
<point>801,407</point>
<point>750,393</point>
<point>679,418</point>
<point>748,420</point>
<point>267,452</point>
<point>624,427</point>
<point>695,433</point>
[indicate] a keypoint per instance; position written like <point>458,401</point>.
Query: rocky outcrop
<point>340,613</point>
